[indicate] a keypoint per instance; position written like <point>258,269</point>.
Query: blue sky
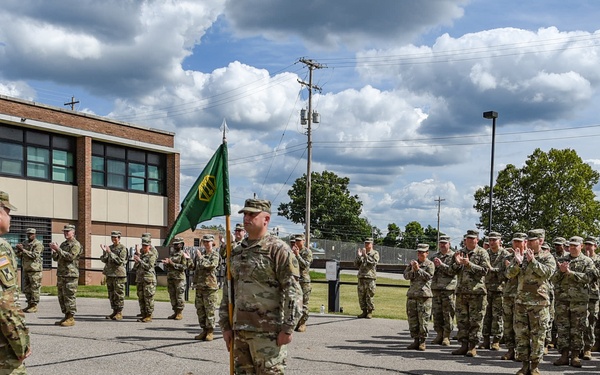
<point>403,91</point>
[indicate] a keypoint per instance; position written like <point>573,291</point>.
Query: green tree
<point>393,233</point>
<point>335,214</point>
<point>413,234</point>
<point>553,191</point>
<point>430,237</point>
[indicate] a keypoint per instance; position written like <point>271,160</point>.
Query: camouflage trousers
<point>419,315</point>
<point>306,289</point>
<point>597,328</point>
<point>470,309</point>
<point>145,293</point>
<point>508,309</point>
<point>32,282</point>
<point>176,293</point>
<point>551,330</point>
<point>206,302</point>
<point>67,291</point>
<point>443,308</point>
<point>590,337</point>
<point>9,364</point>
<point>530,324</point>
<point>366,294</point>
<point>258,353</point>
<point>116,292</point>
<point>493,322</point>
<point>571,324</point>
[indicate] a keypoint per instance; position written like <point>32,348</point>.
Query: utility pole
<point>72,103</point>
<point>439,202</point>
<point>312,65</point>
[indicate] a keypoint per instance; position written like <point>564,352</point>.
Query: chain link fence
<point>346,251</point>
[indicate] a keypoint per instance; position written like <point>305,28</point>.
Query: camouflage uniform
<point>443,287</point>
<point>67,273</point>
<point>31,257</point>
<point>145,280</point>
<point>418,302</point>
<point>493,323</point>
<point>304,259</point>
<point>205,281</point>
<point>14,340</point>
<point>367,276</point>
<point>509,293</point>
<point>176,278</point>
<point>589,337</point>
<point>266,301</point>
<point>116,275</point>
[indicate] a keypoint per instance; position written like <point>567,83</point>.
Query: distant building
<point>64,167</point>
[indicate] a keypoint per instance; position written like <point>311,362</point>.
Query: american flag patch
<point>4,261</point>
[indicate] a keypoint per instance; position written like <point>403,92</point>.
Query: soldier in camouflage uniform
<point>443,287</point>
<point>571,287</point>
<point>205,281</point>
<point>304,257</point>
<point>30,253</point>
<point>419,295</point>
<point>14,334</point>
<point>267,297</point>
<point>557,251</point>
<point>532,269</point>
<point>366,261</point>
<point>493,324</point>
<point>471,264</point>
<point>145,279</point>
<point>589,337</point>
<point>67,274</point>
<point>175,266</point>
<point>114,258</point>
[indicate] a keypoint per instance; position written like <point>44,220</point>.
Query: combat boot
<point>464,347</point>
<point>446,339</point>
<point>421,346</point>
<point>32,309</point>
<point>140,315</point>
<point>202,335</point>
<point>472,352</point>
<point>509,355</point>
<point>118,315</point>
<point>57,323</point>
<point>587,353</point>
<point>438,338</point>
<point>564,358</point>
<point>495,344</point>
<point>534,370</point>
<point>369,314</point>
<point>178,315</point>
<point>172,316</point>
<point>575,361</point>
<point>111,316</point>
<point>525,369</point>
<point>209,335</point>
<point>27,308</point>
<point>69,321</point>
<point>486,343</point>
<point>363,315</point>
<point>414,345</point>
<point>301,328</point>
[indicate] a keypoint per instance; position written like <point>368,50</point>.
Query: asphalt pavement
<point>332,344</point>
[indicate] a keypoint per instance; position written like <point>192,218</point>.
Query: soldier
<point>266,296</point>
<point>30,253</point>
<point>366,261</point>
<point>559,244</point>
<point>205,281</point>
<point>304,257</point>
<point>532,269</point>
<point>67,274</point>
<point>494,283</point>
<point>418,302</point>
<point>471,265</point>
<point>145,279</point>
<point>115,259</point>
<point>557,251</point>
<point>571,282</point>
<point>239,234</point>
<point>175,266</point>
<point>443,286</point>
<point>14,335</point>
<point>589,337</point>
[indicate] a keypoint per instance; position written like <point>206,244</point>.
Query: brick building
<point>64,167</point>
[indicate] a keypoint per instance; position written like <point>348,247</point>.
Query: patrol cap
<point>369,240</point>
<point>30,231</point>
<point>444,238</point>
<point>292,239</point>
<point>239,226</point>
<point>208,238</point>
<point>5,201</point>
<point>256,205</point>
<point>590,240</point>
<point>299,237</point>
<point>68,227</point>
<point>422,247</point>
<point>519,236</point>
<point>177,240</point>
<point>495,236</point>
<point>575,240</point>
<point>559,241</point>
<point>146,241</point>
<point>146,235</point>
<point>472,233</point>
<point>545,246</point>
<point>486,239</point>
<point>535,234</point>
<point>115,233</point>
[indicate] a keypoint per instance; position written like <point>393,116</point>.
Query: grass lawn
<point>390,302</point>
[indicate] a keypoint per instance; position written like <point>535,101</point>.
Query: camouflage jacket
<point>14,331</point>
<point>471,277</point>
<point>145,272</point>
<point>31,255</point>
<point>266,293</point>
<point>443,277</point>
<point>367,265</point>
<point>176,271</point>
<point>595,284</point>
<point>304,259</point>
<point>115,261</point>
<point>420,280</point>
<point>511,285</point>
<point>495,278</point>
<point>68,258</point>
<point>205,271</point>
<point>575,286</point>
<point>533,278</point>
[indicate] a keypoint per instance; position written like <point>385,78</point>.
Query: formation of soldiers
<point>529,297</point>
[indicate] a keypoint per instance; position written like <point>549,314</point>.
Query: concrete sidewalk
<point>333,344</point>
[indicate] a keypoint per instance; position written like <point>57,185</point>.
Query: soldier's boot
<point>596,347</point>
<point>446,339</point>
<point>534,368</point>
<point>414,345</point>
<point>118,315</point>
<point>509,355</point>
<point>33,308</point>
<point>495,344</point>
<point>57,323</point>
<point>369,314</point>
<point>178,315</point>
<point>202,335</point>
<point>140,315</point>
<point>472,352</point>
<point>111,316</point>
<point>27,308</point>
<point>464,347</point>
<point>438,338</point>
<point>486,343</point>
<point>172,316</point>
<point>564,358</point>
<point>69,322</point>
<point>363,315</point>
<point>575,361</point>
<point>525,369</point>
<point>147,319</point>
<point>301,328</point>
<point>587,353</point>
<point>422,345</point>
<point>209,335</point>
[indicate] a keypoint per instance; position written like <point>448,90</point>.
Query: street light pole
<point>491,115</point>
